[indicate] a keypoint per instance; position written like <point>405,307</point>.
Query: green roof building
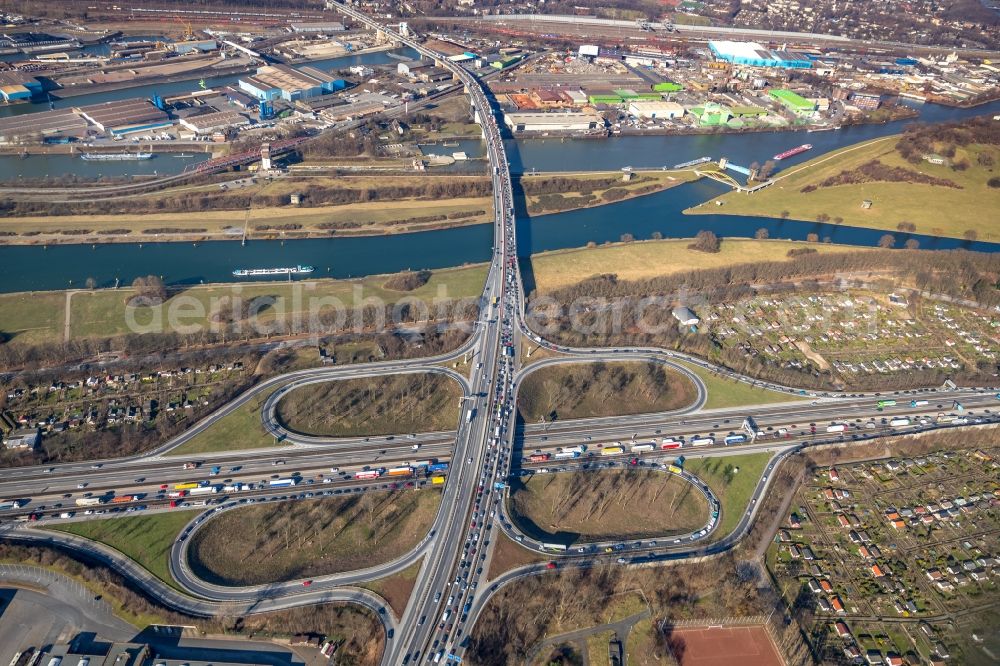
<point>712,114</point>
<point>744,111</point>
<point>605,99</point>
<point>667,87</point>
<point>793,102</point>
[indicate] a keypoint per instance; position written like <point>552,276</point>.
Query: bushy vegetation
<point>408,281</point>
<point>920,139</point>
<point>958,274</point>
<point>876,171</point>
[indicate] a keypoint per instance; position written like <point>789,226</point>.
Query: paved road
<point>450,590</point>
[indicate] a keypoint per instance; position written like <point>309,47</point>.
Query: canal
<point>25,268</point>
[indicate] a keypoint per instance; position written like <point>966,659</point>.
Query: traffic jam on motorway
<point>456,600</point>
<point>191,494</point>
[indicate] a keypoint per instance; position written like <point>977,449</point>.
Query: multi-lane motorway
<point>487,447</point>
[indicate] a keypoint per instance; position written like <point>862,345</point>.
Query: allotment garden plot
<point>857,336</point>
<point>895,556</point>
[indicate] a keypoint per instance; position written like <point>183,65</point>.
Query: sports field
<point>724,646</point>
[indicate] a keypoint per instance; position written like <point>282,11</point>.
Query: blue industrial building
<point>18,86</point>
<point>280,81</point>
<point>755,55</point>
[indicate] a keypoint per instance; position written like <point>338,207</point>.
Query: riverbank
<point>376,217</point>
<point>64,315</point>
<point>643,260</point>
<point>871,185</point>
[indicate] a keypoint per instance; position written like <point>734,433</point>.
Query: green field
<point>724,392</point>
<point>145,539</point>
<point>649,259</point>
<point>934,209</point>
<point>39,317</point>
<point>239,430</point>
<point>33,317</point>
<point>731,487</point>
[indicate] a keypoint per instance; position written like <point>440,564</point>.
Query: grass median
<point>723,392</point>
<point>283,541</point>
<point>733,480</point>
<point>146,539</point>
<point>240,430</point>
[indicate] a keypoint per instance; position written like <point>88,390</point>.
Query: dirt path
<point>66,315</point>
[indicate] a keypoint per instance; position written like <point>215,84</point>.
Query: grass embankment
<point>613,504</point>
<point>732,479</point>
<point>723,392</point>
<point>240,430</point>
<point>288,540</point>
<point>585,190</point>
<point>643,260</point>
<point>39,316</point>
<point>935,209</point>
<point>367,406</point>
<point>145,539</point>
<point>397,588</point>
<point>575,391</point>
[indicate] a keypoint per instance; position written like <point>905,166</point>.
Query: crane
<point>188,32</point>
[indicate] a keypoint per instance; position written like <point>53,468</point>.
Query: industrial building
<point>25,438</point>
<point>795,103</point>
<point>208,123</point>
<point>413,67</point>
<point>712,114</point>
<point>324,27</point>
<point>125,116</point>
<point>685,316</point>
<point>17,86</point>
<point>755,55</point>
<point>203,46</point>
<point>42,125</point>
<point>562,121</point>
<point>281,81</point>
<point>869,101</point>
<point>642,108</point>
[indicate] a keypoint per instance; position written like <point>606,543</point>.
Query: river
<point>25,268</point>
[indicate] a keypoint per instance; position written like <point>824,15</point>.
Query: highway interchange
<point>487,448</point>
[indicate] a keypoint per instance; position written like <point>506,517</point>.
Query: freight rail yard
<point>776,451</point>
